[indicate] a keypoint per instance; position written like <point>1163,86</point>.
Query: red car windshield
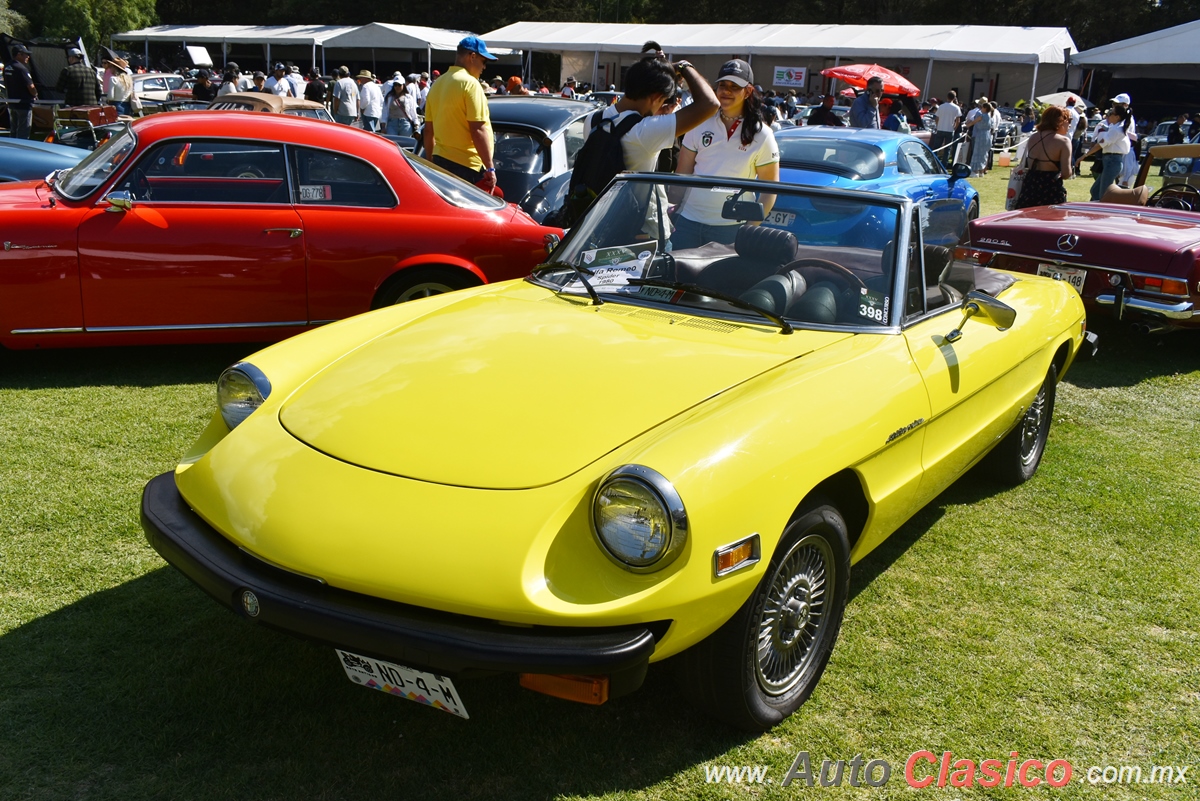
<point>100,165</point>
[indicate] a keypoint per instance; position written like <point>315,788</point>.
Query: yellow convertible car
<point>638,452</point>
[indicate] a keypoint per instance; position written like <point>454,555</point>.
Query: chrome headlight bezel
<point>241,389</point>
<point>664,493</point>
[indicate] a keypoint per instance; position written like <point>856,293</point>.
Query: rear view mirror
<point>743,211</point>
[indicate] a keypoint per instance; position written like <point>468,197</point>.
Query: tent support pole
<point>146,53</point>
<point>1033,91</point>
<point>323,70</point>
<point>314,54</point>
<point>837,60</point>
<point>429,61</point>
<point>268,55</point>
<point>928,78</point>
<point>595,67</point>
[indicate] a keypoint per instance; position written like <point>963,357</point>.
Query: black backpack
<point>597,162</point>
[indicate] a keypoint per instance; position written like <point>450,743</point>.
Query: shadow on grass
<point>1126,358</point>
<point>150,689</point>
<point>128,367</point>
<point>971,488</point>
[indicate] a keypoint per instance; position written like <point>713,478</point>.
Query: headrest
<point>769,244</point>
<point>1137,196</point>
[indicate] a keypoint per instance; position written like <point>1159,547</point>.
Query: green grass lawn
<point>1060,620</point>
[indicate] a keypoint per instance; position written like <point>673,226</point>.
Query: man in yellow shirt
<point>458,126</point>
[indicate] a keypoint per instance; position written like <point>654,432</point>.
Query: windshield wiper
<point>559,265</point>
<point>784,326</point>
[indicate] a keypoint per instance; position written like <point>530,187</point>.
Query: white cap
<point>1121,98</point>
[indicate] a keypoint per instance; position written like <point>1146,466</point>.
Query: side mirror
<point>743,211</point>
<point>985,308</point>
<point>960,171</point>
<point>118,201</point>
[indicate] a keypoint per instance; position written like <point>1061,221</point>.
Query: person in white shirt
<point>297,81</point>
<point>345,98</point>
<point>947,115</point>
<point>278,83</point>
<point>568,89</point>
<point>1112,142</point>
<point>732,143</point>
<point>400,109</point>
<point>370,101</point>
<point>649,84</point>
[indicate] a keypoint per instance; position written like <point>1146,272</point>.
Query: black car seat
<point>776,293</point>
<point>818,305</point>
<point>760,252</point>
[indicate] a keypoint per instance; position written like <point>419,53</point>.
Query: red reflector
<point>583,689</point>
<point>971,254</point>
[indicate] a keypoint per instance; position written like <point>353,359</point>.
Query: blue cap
<point>474,44</point>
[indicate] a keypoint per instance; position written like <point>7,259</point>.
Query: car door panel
<point>189,257</point>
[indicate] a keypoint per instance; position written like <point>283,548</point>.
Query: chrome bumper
<point>1121,303</point>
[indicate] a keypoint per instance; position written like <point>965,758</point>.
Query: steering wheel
<point>141,184</point>
<point>1175,196</point>
<point>836,271</point>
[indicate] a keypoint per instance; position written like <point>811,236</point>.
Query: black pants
<point>466,173</point>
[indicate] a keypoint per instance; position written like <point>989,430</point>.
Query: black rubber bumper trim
<point>402,633</point>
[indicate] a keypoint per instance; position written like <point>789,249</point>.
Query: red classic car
<point>234,226</point>
<point>1139,264</point>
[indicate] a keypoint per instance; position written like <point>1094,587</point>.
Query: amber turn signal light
<point>583,689</point>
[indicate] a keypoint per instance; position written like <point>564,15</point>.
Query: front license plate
<point>1072,275</point>
<point>784,218</point>
<point>415,685</point>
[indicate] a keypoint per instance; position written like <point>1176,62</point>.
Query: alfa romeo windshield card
<point>415,685</point>
<point>611,268</point>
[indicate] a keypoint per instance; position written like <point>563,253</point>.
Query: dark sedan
<point>537,139</point>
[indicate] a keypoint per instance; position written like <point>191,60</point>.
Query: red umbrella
<point>848,93</point>
<point>857,75</point>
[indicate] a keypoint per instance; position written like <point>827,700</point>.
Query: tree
<point>94,20</point>
<point>11,22</point>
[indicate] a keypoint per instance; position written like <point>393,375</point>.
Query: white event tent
<point>1178,45</point>
<point>378,37</point>
<point>972,57</point>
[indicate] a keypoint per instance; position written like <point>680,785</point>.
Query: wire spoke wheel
<point>794,618</point>
<point>1032,429</point>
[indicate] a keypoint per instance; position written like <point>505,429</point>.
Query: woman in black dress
<point>1048,157</point>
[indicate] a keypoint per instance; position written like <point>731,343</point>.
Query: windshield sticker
<point>612,268</point>
<point>316,192</point>
<point>873,306</point>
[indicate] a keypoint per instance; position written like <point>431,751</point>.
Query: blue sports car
<point>27,160</point>
<point>881,161</point>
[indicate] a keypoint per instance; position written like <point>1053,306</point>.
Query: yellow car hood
<point>520,388</point>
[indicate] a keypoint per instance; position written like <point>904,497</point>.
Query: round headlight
<point>639,518</point>
<point>240,390</point>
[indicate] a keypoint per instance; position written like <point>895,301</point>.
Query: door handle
<point>291,232</point>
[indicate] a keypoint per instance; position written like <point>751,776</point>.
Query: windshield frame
<point>97,157</point>
<point>904,207</point>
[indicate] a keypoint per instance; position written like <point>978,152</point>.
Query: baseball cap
<point>258,74</point>
<point>1071,101</point>
<point>278,67</point>
<point>231,65</point>
<point>1121,98</point>
<point>20,48</point>
<point>887,101</point>
<point>396,76</point>
<point>75,52</point>
<point>474,44</point>
<point>736,71</point>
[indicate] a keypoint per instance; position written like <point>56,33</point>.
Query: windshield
<point>99,165</point>
<point>453,189</point>
<point>819,257</point>
<point>839,156</point>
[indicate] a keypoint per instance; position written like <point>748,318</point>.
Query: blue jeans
<point>344,119</point>
<point>398,126</point>
<point>1110,164</point>
<point>370,123</point>
<point>691,234</point>
<point>20,121</point>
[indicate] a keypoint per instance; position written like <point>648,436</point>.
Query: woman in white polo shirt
<point>733,143</point>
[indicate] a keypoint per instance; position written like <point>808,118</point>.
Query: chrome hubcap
<point>423,290</point>
<point>1031,427</point>
<point>794,615</point>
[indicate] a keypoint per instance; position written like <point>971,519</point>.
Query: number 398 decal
<point>871,313</point>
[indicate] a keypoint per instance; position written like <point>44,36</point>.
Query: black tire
<point>421,282</point>
<point>973,211</point>
<point>761,666</point>
<point>1016,458</point>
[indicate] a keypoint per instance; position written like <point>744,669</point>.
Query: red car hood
<point>1127,237</point>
